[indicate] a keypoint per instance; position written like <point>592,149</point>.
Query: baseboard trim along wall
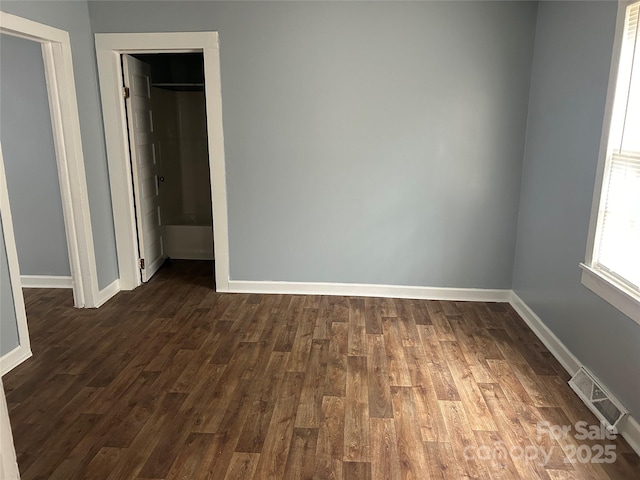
<point>12,359</point>
<point>567,359</point>
<point>630,431</point>
<point>46,281</point>
<point>365,290</point>
<point>107,292</point>
<point>628,427</point>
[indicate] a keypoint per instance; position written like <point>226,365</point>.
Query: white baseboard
<point>630,430</point>
<point>567,359</point>
<point>107,292</point>
<point>45,281</point>
<point>366,290</point>
<point>628,427</point>
<point>12,359</point>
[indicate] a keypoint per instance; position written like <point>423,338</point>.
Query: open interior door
<point>142,145</point>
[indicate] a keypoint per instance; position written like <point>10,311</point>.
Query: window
<point>612,267</point>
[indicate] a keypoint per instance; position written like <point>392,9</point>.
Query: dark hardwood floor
<point>176,381</point>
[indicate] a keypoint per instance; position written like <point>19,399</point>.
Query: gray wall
<point>74,18</point>
<point>8,321</point>
<point>30,166</point>
<point>568,93</point>
<point>365,141</point>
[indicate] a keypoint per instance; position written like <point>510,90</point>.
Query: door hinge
<point>142,263</point>
<point>126,92</point>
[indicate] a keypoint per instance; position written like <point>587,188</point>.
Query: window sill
<point>625,300</point>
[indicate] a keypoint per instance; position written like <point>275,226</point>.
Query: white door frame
<point>109,48</point>
<point>65,122</point>
<point>8,462</point>
<point>23,351</point>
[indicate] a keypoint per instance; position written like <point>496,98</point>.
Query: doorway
<point>110,51</point>
<point>30,166</point>
<point>167,126</point>
<point>58,70</point>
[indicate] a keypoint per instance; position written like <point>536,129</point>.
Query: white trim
<point>612,291</point>
<point>46,281</point>
<point>8,462</point>
<point>30,30</point>
<point>600,284</point>
<point>119,174</point>
<point>107,292</point>
<point>604,135</point>
<point>24,345</point>
<point>366,290</point>
<point>567,359</point>
<point>177,42</point>
<point>15,357</point>
<point>628,427</point>
<point>109,47</point>
<point>58,65</point>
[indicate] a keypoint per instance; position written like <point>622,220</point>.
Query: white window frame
<point>598,281</point>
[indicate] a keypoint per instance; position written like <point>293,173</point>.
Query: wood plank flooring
<point>175,381</point>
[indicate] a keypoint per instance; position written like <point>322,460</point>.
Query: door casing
<point>65,123</point>
<point>109,48</point>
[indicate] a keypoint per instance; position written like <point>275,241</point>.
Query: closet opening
<point>168,145</point>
